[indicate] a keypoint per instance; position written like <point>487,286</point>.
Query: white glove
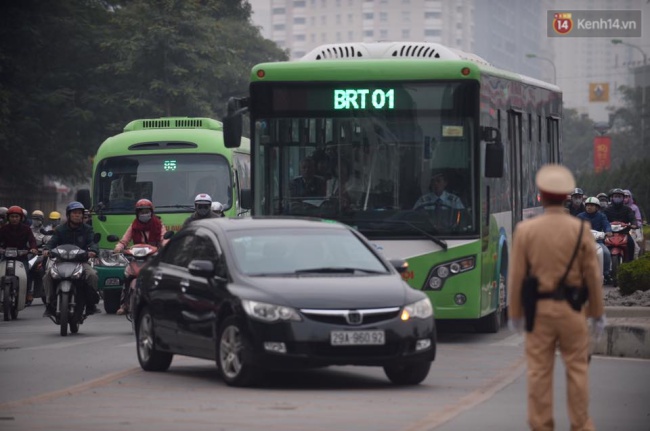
<point>598,325</point>
<point>516,325</point>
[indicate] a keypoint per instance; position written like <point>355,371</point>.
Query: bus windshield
<point>170,181</point>
<point>393,159</point>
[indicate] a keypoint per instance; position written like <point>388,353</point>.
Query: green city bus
<point>391,119</point>
<point>166,160</point>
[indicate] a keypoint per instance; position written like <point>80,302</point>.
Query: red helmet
<point>15,209</point>
<point>144,204</point>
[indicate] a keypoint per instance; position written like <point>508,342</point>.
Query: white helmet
<point>592,200</point>
<point>203,198</point>
<point>217,207</point>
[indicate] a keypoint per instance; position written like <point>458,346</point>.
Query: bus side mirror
<point>246,199</point>
<point>83,196</point>
<point>494,152</point>
<point>233,122</point>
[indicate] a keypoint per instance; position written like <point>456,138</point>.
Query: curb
<point>626,334</point>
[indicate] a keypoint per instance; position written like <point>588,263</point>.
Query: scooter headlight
<point>78,272</point>
<point>54,273</point>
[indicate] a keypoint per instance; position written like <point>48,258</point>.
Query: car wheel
<point>150,359</point>
<point>234,354</point>
<point>410,373</point>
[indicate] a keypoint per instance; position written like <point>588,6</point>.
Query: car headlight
<point>269,312</point>
<point>421,309</point>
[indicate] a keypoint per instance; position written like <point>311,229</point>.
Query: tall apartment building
<point>301,25</point>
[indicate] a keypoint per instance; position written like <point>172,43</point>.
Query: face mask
<point>617,200</point>
<point>37,223</point>
<point>144,218</point>
<point>55,223</point>
<point>202,212</point>
<point>577,201</point>
<point>603,204</point>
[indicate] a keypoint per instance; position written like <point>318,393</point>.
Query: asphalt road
<point>92,381</point>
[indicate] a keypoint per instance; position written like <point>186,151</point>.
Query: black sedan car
<point>260,294</point>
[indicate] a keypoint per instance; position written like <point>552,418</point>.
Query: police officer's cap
<point>555,179</point>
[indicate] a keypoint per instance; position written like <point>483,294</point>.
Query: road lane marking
<point>504,378</point>
<point>71,390</point>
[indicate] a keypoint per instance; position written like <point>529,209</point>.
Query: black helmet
<point>616,191</point>
<point>577,191</point>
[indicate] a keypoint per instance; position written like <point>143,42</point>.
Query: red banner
<point>602,153</point>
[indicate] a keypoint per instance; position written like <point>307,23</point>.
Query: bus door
<point>515,142</point>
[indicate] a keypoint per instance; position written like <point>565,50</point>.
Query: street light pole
<point>644,84</point>
<point>620,42</point>
<point>546,59</point>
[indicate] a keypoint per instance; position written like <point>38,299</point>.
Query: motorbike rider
<point>618,211</point>
<point>15,233</point>
<point>628,200</point>
<point>37,224</point>
<point>87,219</point>
<point>3,215</point>
<point>576,204</point>
<point>54,219</point>
<point>145,229</point>
<point>74,231</point>
<point>603,199</point>
<point>202,209</point>
<point>217,208</point>
<point>599,223</point>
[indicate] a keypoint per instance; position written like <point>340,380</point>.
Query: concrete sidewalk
<point>626,334</point>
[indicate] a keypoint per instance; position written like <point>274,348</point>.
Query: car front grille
<point>342,317</point>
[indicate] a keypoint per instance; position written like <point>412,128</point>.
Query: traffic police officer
<point>556,323</point>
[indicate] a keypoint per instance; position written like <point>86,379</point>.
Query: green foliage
<point>635,275</point>
<point>75,72</point>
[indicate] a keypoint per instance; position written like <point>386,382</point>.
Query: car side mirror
<point>400,265</point>
<point>201,268</point>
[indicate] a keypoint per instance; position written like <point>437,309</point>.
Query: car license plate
<point>357,338</point>
<point>113,282</point>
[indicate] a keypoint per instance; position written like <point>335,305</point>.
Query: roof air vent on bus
<point>382,50</point>
<point>155,124</point>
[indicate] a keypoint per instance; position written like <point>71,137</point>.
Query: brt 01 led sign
<point>363,98</point>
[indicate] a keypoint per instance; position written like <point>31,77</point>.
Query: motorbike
<point>14,282</point>
<point>67,273</point>
<point>617,244</point>
<point>137,255</point>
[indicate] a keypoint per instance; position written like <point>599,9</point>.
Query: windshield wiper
<point>336,270</point>
<point>441,242</point>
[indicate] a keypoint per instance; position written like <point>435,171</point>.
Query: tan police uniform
<point>545,244</point>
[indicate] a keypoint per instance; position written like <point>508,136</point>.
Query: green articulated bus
<point>434,149</point>
<point>166,160</point>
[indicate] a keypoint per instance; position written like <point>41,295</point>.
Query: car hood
<point>328,292</point>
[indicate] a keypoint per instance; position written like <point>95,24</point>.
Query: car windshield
<point>262,252</point>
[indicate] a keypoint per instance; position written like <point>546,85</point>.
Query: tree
<point>577,141</point>
<point>48,56</point>
<point>182,57</point>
